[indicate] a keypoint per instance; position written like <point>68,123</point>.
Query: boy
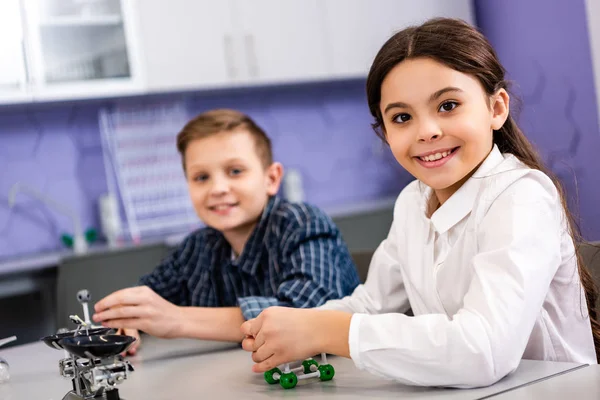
<point>256,251</point>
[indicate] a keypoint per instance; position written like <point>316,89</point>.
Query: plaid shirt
<point>295,257</point>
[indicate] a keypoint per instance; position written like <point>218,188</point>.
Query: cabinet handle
<point>26,47</point>
<point>251,55</point>
<point>27,72</point>
<point>229,59</point>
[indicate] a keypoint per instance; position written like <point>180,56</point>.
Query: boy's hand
<point>139,308</point>
<point>280,335</point>
<point>135,346</point>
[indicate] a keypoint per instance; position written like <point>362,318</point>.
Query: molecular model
<point>309,369</point>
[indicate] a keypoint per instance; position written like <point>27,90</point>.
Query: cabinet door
<point>281,40</point>
<point>13,75</point>
<point>185,44</point>
<point>358,28</point>
<point>78,49</point>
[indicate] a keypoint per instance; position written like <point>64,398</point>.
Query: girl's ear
<point>274,174</point>
<point>500,108</point>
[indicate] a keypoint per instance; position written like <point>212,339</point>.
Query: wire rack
<point>144,168</point>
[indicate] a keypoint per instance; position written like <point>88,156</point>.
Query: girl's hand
<point>142,309</point>
<point>280,335</point>
<point>136,345</point>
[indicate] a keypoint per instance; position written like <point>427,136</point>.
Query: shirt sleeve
<point>383,290</point>
<point>518,255</point>
<point>315,266</point>
<point>168,279</point>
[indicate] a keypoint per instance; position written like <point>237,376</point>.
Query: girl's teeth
<point>436,156</point>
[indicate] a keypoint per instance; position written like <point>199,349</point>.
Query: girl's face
<point>439,122</point>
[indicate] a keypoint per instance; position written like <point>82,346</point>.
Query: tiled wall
<point>322,130</point>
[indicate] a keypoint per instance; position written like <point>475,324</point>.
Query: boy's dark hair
<point>213,122</point>
<point>463,48</point>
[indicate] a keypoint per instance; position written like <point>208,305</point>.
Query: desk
<point>186,369</point>
<point>582,383</point>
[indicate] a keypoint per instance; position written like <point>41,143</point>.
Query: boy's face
<point>228,183</point>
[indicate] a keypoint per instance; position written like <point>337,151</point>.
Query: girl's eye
<point>201,178</point>
<point>235,171</point>
<point>401,118</point>
<point>448,106</point>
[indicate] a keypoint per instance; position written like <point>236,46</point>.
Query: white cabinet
<point>280,40</point>
<point>13,71</point>
<point>79,48</point>
<point>185,44</point>
<point>71,49</point>
<point>200,44</point>
<point>197,44</point>
<point>356,29</point>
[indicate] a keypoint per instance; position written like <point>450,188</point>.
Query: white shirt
<point>491,278</point>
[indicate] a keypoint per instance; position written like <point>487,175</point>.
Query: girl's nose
<point>429,132</point>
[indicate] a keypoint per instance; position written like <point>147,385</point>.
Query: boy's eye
<point>448,106</point>
<point>401,118</point>
<point>235,171</point>
<point>201,177</point>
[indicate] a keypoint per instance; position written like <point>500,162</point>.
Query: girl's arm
<point>519,243</point>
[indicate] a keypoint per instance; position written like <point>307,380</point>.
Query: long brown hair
<point>463,48</point>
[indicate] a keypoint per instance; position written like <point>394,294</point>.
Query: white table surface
<point>188,369</point>
<point>579,384</point>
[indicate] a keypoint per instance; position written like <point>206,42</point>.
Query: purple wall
<point>544,46</point>
<point>322,130</point>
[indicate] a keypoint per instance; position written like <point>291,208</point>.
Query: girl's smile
<point>436,158</point>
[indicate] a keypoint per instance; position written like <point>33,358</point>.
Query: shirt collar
<point>460,204</point>
<point>249,260</point>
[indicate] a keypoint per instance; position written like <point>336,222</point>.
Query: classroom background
<point>92,94</point>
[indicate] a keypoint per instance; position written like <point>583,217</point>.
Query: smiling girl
<point>482,246</point>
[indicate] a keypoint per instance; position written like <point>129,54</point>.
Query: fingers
<point>129,296</point>
<point>263,353</point>
<point>134,347</point>
<point>248,343</point>
<point>125,312</point>
<point>247,328</point>
<point>136,323</point>
<point>268,364</point>
<point>132,350</point>
<point>259,341</point>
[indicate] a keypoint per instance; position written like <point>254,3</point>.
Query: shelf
<point>81,21</point>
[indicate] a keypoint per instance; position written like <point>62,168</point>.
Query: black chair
<point>362,259</point>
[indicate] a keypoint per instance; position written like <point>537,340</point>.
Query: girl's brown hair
<point>224,120</point>
<point>463,48</point>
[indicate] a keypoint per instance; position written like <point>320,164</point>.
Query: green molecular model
<point>289,378</point>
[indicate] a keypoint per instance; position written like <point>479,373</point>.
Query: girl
<point>482,246</point>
